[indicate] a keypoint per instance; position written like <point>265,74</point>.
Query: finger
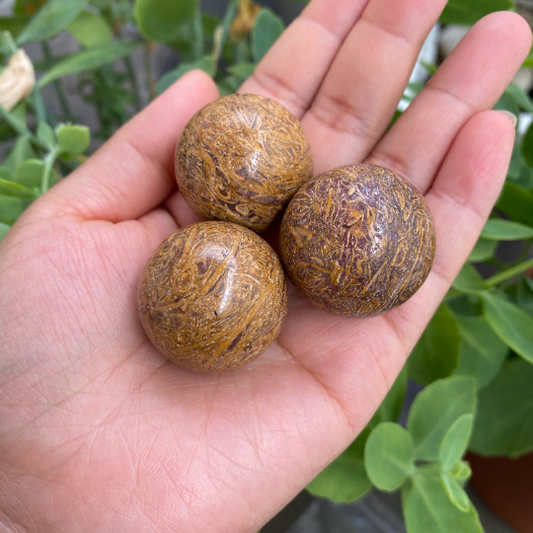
<point>179,209</point>
<point>460,199</point>
<point>358,374</point>
<point>134,171</point>
<point>470,80</point>
<point>294,67</point>
<point>358,98</point>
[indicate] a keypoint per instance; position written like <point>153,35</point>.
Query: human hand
<point>98,431</point>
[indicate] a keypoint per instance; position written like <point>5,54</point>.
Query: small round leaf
<point>388,456</point>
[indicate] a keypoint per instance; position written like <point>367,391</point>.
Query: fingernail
<point>512,116</point>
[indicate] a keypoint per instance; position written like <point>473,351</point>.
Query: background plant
<point>475,358</point>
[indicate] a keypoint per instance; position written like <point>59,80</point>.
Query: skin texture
<point>241,159</point>
<point>358,240</point>
<point>213,296</point>
<point>100,432</point>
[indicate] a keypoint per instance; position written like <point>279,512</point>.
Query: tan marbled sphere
<point>213,296</point>
<point>241,158</point>
<point>358,240</point>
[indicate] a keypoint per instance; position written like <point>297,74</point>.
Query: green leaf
<point>51,19</point>
<point>436,353</point>
<point>15,120</point>
<point>483,250</point>
<point>528,62</point>
<point>527,146</point>
<point>10,209</point>
<point>267,29</point>
<point>207,64</point>
<point>10,188</point>
<point>461,471</point>
<point>90,29</point>
<point>4,228</point>
<point>345,479</point>
<point>73,139</point>
<point>482,353</point>
<point>30,173</point>
<point>242,70</point>
<point>506,103</point>
<point>428,509</point>
<point>435,409</point>
<point>524,294</point>
<point>517,203</point>
<point>457,495</point>
<point>520,97</point>
<point>510,323</point>
<point>46,134</point>
<point>389,456</point>
<point>21,151</point>
<point>88,60</point>
<point>468,280</point>
<point>455,442</point>
<point>391,406</point>
<point>160,20</point>
<point>505,230</point>
<point>504,421</point>
<point>5,173</point>
<point>517,161</point>
<point>467,13</point>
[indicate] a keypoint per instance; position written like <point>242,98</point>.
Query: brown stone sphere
<point>241,158</point>
<point>358,240</point>
<point>213,296</point>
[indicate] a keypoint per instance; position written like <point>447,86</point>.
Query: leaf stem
<point>10,43</point>
<point>198,31</point>
<point>13,122</point>
<point>222,34</point>
<point>63,102</point>
<point>21,128</point>
<point>152,85</point>
<point>48,164</point>
<point>509,273</point>
<point>133,80</point>
<point>38,105</point>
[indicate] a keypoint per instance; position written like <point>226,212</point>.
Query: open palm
<point>98,432</point>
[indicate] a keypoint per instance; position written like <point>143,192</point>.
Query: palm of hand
<point>99,432</point>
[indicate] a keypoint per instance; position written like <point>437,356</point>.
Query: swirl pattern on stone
<point>213,296</point>
<point>241,158</point>
<point>358,240</point>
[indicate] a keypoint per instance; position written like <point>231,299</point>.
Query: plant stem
<point>48,164</point>
<point>152,86</point>
<point>222,35</point>
<point>133,81</point>
<point>198,30</point>
<point>67,113</point>
<point>509,273</point>
<point>20,128</point>
<point>38,104</point>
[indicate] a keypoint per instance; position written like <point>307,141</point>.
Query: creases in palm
<point>98,428</point>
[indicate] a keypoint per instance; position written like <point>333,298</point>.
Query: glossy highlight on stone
<point>241,158</point>
<point>213,296</point>
<point>358,240</point>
